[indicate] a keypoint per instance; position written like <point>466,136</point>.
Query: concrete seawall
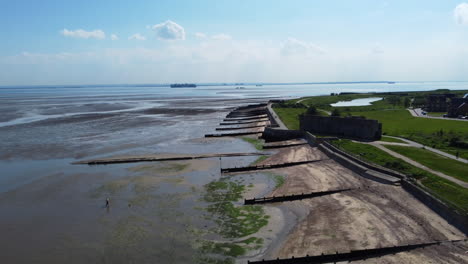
<point>364,169</point>
<point>363,163</point>
<point>374,172</point>
<point>454,218</point>
<point>359,168</point>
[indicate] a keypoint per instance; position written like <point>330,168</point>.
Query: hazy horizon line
<point>216,83</point>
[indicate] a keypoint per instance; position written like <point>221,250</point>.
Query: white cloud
<point>200,35</point>
<point>294,46</point>
<point>221,36</point>
<point>233,61</point>
<point>169,31</point>
<point>137,36</point>
<point>461,14</point>
<point>114,37</point>
<point>80,33</point>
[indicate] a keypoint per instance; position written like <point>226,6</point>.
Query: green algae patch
<point>257,143</point>
<point>278,179</point>
<point>234,222</point>
<point>259,159</point>
<point>235,249</point>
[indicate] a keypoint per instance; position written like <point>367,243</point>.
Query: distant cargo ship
<point>183,85</point>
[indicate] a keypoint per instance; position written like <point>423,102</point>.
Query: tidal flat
<point>166,211</point>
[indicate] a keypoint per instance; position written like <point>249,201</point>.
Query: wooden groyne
<point>267,167</point>
<point>243,122</point>
<point>246,114</point>
<point>233,134</point>
<point>353,255</point>
<point>160,158</point>
<point>284,146</point>
<point>238,128</point>
<point>245,118</point>
<point>293,197</point>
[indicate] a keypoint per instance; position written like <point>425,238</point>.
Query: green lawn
<point>437,114</point>
<point>390,139</point>
<point>436,133</point>
<point>434,161</point>
<point>431,132</point>
<point>401,122</point>
<point>452,193</point>
<point>290,116</point>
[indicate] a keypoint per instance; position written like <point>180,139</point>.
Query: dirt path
<point>275,116</point>
<point>417,145</point>
<point>418,113</point>
<point>372,215</point>
<point>419,165</point>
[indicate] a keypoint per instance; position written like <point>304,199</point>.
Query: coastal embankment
<point>379,212</point>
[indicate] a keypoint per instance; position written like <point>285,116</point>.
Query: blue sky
<point>93,42</point>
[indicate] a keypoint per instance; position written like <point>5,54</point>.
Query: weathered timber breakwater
<point>353,255</point>
<point>255,115</point>
<point>167,157</point>
<point>233,134</point>
<point>246,117</point>
<point>268,166</point>
<point>284,145</point>
<point>238,128</point>
<point>294,197</point>
<point>243,123</point>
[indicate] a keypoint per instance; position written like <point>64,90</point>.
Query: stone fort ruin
<point>348,127</point>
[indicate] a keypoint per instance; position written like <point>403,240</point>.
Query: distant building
<point>348,127</point>
<point>438,102</point>
<point>458,106</point>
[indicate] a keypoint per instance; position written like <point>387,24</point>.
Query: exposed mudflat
<point>373,215</point>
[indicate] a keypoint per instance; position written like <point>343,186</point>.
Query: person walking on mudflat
<point>107,202</point>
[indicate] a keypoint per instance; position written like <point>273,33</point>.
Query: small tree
<point>312,110</point>
<point>407,102</point>
<point>335,112</point>
<point>393,99</point>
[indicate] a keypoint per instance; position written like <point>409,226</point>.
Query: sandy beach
<point>372,215</point>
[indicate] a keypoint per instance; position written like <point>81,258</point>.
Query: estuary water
<point>52,211</point>
<point>357,102</point>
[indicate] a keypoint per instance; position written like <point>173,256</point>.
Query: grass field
<point>395,119</point>
<point>290,116</point>
<point>401,122</point>
<point>435,133</point>
<point>452,193</point>
<point>434,161</point>
<point>393,140</point>
<point>436,114</point>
